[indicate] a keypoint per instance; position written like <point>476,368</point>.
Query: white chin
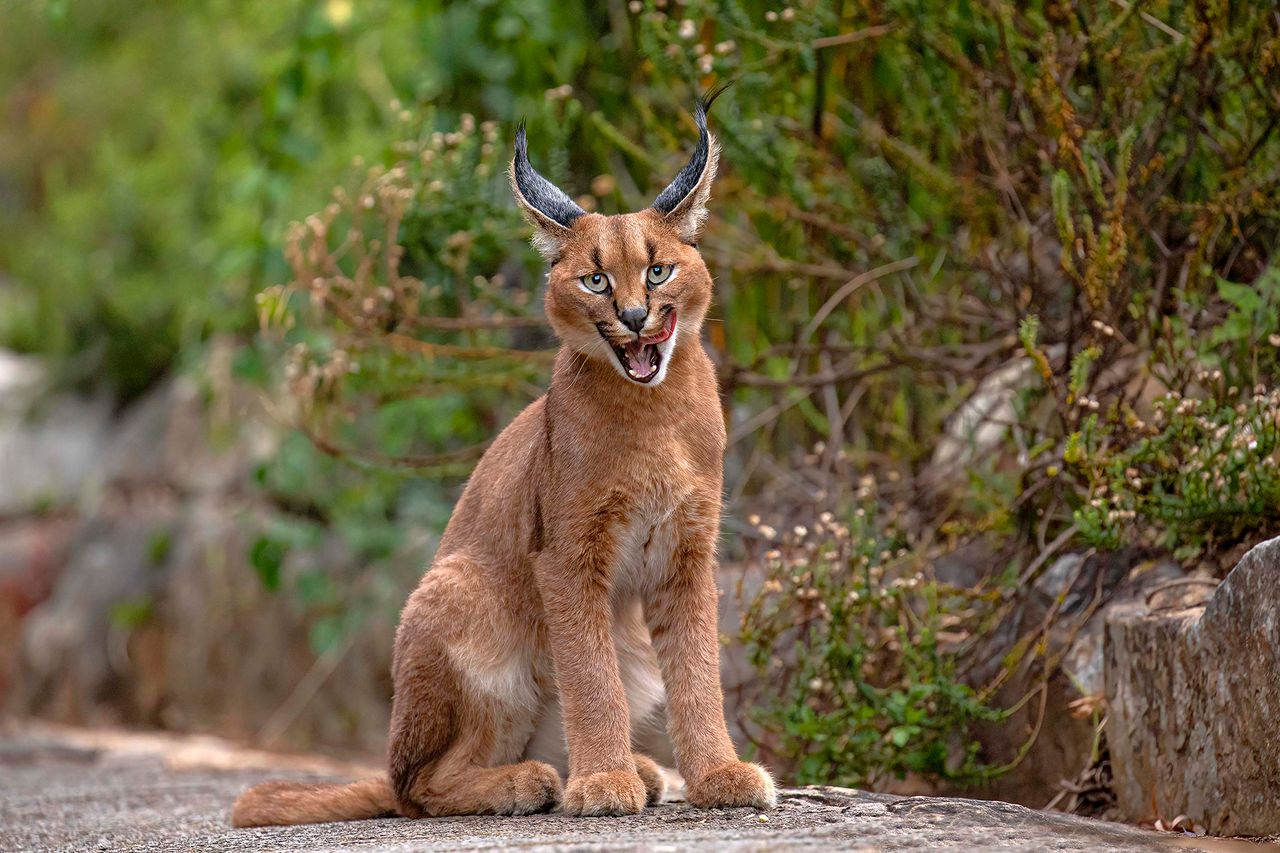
<point>665,350</point>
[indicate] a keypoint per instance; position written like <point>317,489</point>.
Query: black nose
<point>633,318</point>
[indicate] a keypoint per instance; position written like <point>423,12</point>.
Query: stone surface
<point>60,793</point>
<point>74,644</point>
<point>48,450</point>
<point>32,552</point>
<point>1194,697</point>
<point>128,598</point>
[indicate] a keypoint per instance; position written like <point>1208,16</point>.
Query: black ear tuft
<point>687,180</point>
<point>535,192</point>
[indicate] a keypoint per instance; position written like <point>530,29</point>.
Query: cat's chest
<point>646,543</point>
<point>651,530</point>
<point>642,480</point>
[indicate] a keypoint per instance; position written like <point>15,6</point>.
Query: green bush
<point>857,658</point>
<point>1203,473</point>
<point>154,154</point>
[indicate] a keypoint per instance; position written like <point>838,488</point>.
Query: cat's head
<point>625,288</point>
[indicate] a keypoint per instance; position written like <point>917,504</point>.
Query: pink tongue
<point>638,356</point>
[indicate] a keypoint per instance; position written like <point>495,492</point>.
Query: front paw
<point>613,792</point>
<point>734,785</point>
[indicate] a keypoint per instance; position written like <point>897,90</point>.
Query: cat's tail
<point>286,803</point>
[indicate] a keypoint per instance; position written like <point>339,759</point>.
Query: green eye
<point>596,282</point>
<point>658,273</point>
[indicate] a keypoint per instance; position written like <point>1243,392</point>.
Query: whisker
<point>597,342</point>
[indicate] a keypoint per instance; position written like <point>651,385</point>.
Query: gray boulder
<point>1193,694</point>
<point>49,444</point>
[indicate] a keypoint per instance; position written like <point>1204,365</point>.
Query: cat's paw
<point>535,787</point>
<point>651,775</point>
<point>612,792</point>
<point>734,785</point>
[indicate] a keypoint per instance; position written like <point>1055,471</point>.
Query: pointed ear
<point>684,202</point>
<point>547,207</point>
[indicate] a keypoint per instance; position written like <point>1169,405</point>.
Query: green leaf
<point>900,736</point>
<point>267,556</point>
<point>1244,297</point>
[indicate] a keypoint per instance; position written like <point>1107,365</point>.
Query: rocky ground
<point>72,790</point>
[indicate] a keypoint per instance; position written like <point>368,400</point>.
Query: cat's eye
<point>658,273</point>
<point>596,282</point>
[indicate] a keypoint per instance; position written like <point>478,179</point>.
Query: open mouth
<point>641,358</point>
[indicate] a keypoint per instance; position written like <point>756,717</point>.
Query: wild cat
<point>573,593</point>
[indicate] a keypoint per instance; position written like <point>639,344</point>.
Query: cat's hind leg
<point>465,705</point>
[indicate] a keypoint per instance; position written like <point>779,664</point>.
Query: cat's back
<point>493,518</point>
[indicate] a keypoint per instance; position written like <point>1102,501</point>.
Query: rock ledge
<point>58,793</point>
<point>1193,696</point>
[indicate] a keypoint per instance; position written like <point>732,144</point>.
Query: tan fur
<point>576,578</point>
<point>294,802</point>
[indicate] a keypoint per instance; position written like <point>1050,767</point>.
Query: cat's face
<point>625,289</point>
<point>628,288</point>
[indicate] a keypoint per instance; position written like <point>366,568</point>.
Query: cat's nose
<point>633,318</point>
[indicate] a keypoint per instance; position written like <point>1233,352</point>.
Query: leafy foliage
<point>857,660</point>
<point>1201,474</point>
<point>157,153</point>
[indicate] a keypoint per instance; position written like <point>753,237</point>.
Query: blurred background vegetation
<point>987,273</point>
